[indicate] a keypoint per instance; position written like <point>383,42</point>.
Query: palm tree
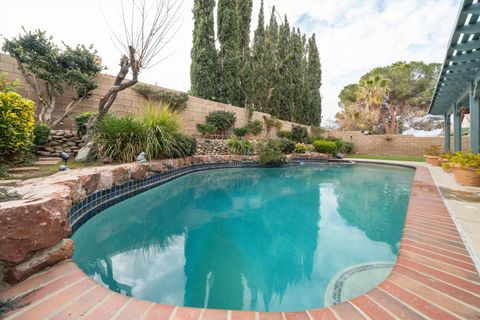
<point>372,92</point>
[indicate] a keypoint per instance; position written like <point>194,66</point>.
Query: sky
<point>353,36</point>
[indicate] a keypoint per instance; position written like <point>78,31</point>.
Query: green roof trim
<point>461,66</point>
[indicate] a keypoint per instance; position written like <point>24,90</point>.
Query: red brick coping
<point>434,277</point>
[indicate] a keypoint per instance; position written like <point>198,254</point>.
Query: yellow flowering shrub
<point>16,122</point>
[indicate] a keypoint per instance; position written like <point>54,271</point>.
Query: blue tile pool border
<point>98,201</point>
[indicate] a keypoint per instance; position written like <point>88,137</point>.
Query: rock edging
<point>34,231</point>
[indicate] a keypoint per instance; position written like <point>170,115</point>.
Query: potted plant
<point>432,155</point>
<point>444,160</point>
<point>466,168</point>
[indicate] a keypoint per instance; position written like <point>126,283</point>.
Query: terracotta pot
<point>466,176</point>
<point>433,160</point>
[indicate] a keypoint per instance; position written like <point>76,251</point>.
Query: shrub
<point>41,131</point>
<point>222,120</point>
<point>184,146</point>
<point>299,134</point>
<point>206,128</point>
<point>254,127</point>
<point>433,150</point>
<point>286,145</point>
<point>285,134</point>
<point>176,100</point>
<point>121,138</point>
<point>16,122</point>
<point>240,132</point>
<point>238,146</point>
<point>81,122</point>
<point>323,146</point>
<point>302,148</point>
<point>344,146</point>
<point>466,160</point>
<point>271,156</point>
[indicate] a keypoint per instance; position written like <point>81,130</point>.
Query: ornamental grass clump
<point>239,146</point>
<point>155,131</point>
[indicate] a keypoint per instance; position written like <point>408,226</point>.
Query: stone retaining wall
<point>60,140</point>
<point>211,147</point>
<point>35,231</point>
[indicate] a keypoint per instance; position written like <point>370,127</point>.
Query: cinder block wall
<point>128,101</point>
<point>404,145</point>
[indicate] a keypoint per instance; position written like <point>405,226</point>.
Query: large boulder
<point>86,153</point>
<point>40,260</point>
<point>27,226</point>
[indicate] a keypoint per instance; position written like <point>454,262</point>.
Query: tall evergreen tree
<point>203,69</point>
<point>229,60</point>
<point>295,76</point>
<point>282,93</point>
<point>244,11</point>
<point>259,74</point>
<point>271,64</point>
<point>314,81</point>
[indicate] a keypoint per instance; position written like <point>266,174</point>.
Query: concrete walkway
<point>463,204</point>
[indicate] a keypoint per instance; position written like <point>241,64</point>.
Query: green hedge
<point>323,146</point>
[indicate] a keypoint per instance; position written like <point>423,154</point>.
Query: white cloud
<point>353,36</point>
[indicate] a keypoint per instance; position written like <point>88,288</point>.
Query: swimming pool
<point>265,239</point>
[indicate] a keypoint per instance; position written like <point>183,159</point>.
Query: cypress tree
<point>314,81</point>
<point>271,66</point>
<point>229,60</point>
<point>295,76</point>
<point>259,73</point>
<point>203,69</point>
<point>283,90</point>
<point>244,10</point>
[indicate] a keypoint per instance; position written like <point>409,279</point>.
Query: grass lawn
<point>394,158</point>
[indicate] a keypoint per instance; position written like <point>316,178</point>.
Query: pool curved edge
<point>434,277</point>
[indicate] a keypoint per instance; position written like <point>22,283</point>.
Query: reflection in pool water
<point>249,239</point>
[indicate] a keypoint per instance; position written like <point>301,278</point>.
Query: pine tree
<point>203,69</point>
<point>314,81</point>
<point>229,60</point>
<point>244,10</point>
<point>259,73</point>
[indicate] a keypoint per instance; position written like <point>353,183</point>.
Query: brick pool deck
<point>434,278</point>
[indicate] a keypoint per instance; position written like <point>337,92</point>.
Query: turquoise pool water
<point>249,239</point>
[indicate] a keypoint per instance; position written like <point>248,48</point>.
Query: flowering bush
<point>16,122</point>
